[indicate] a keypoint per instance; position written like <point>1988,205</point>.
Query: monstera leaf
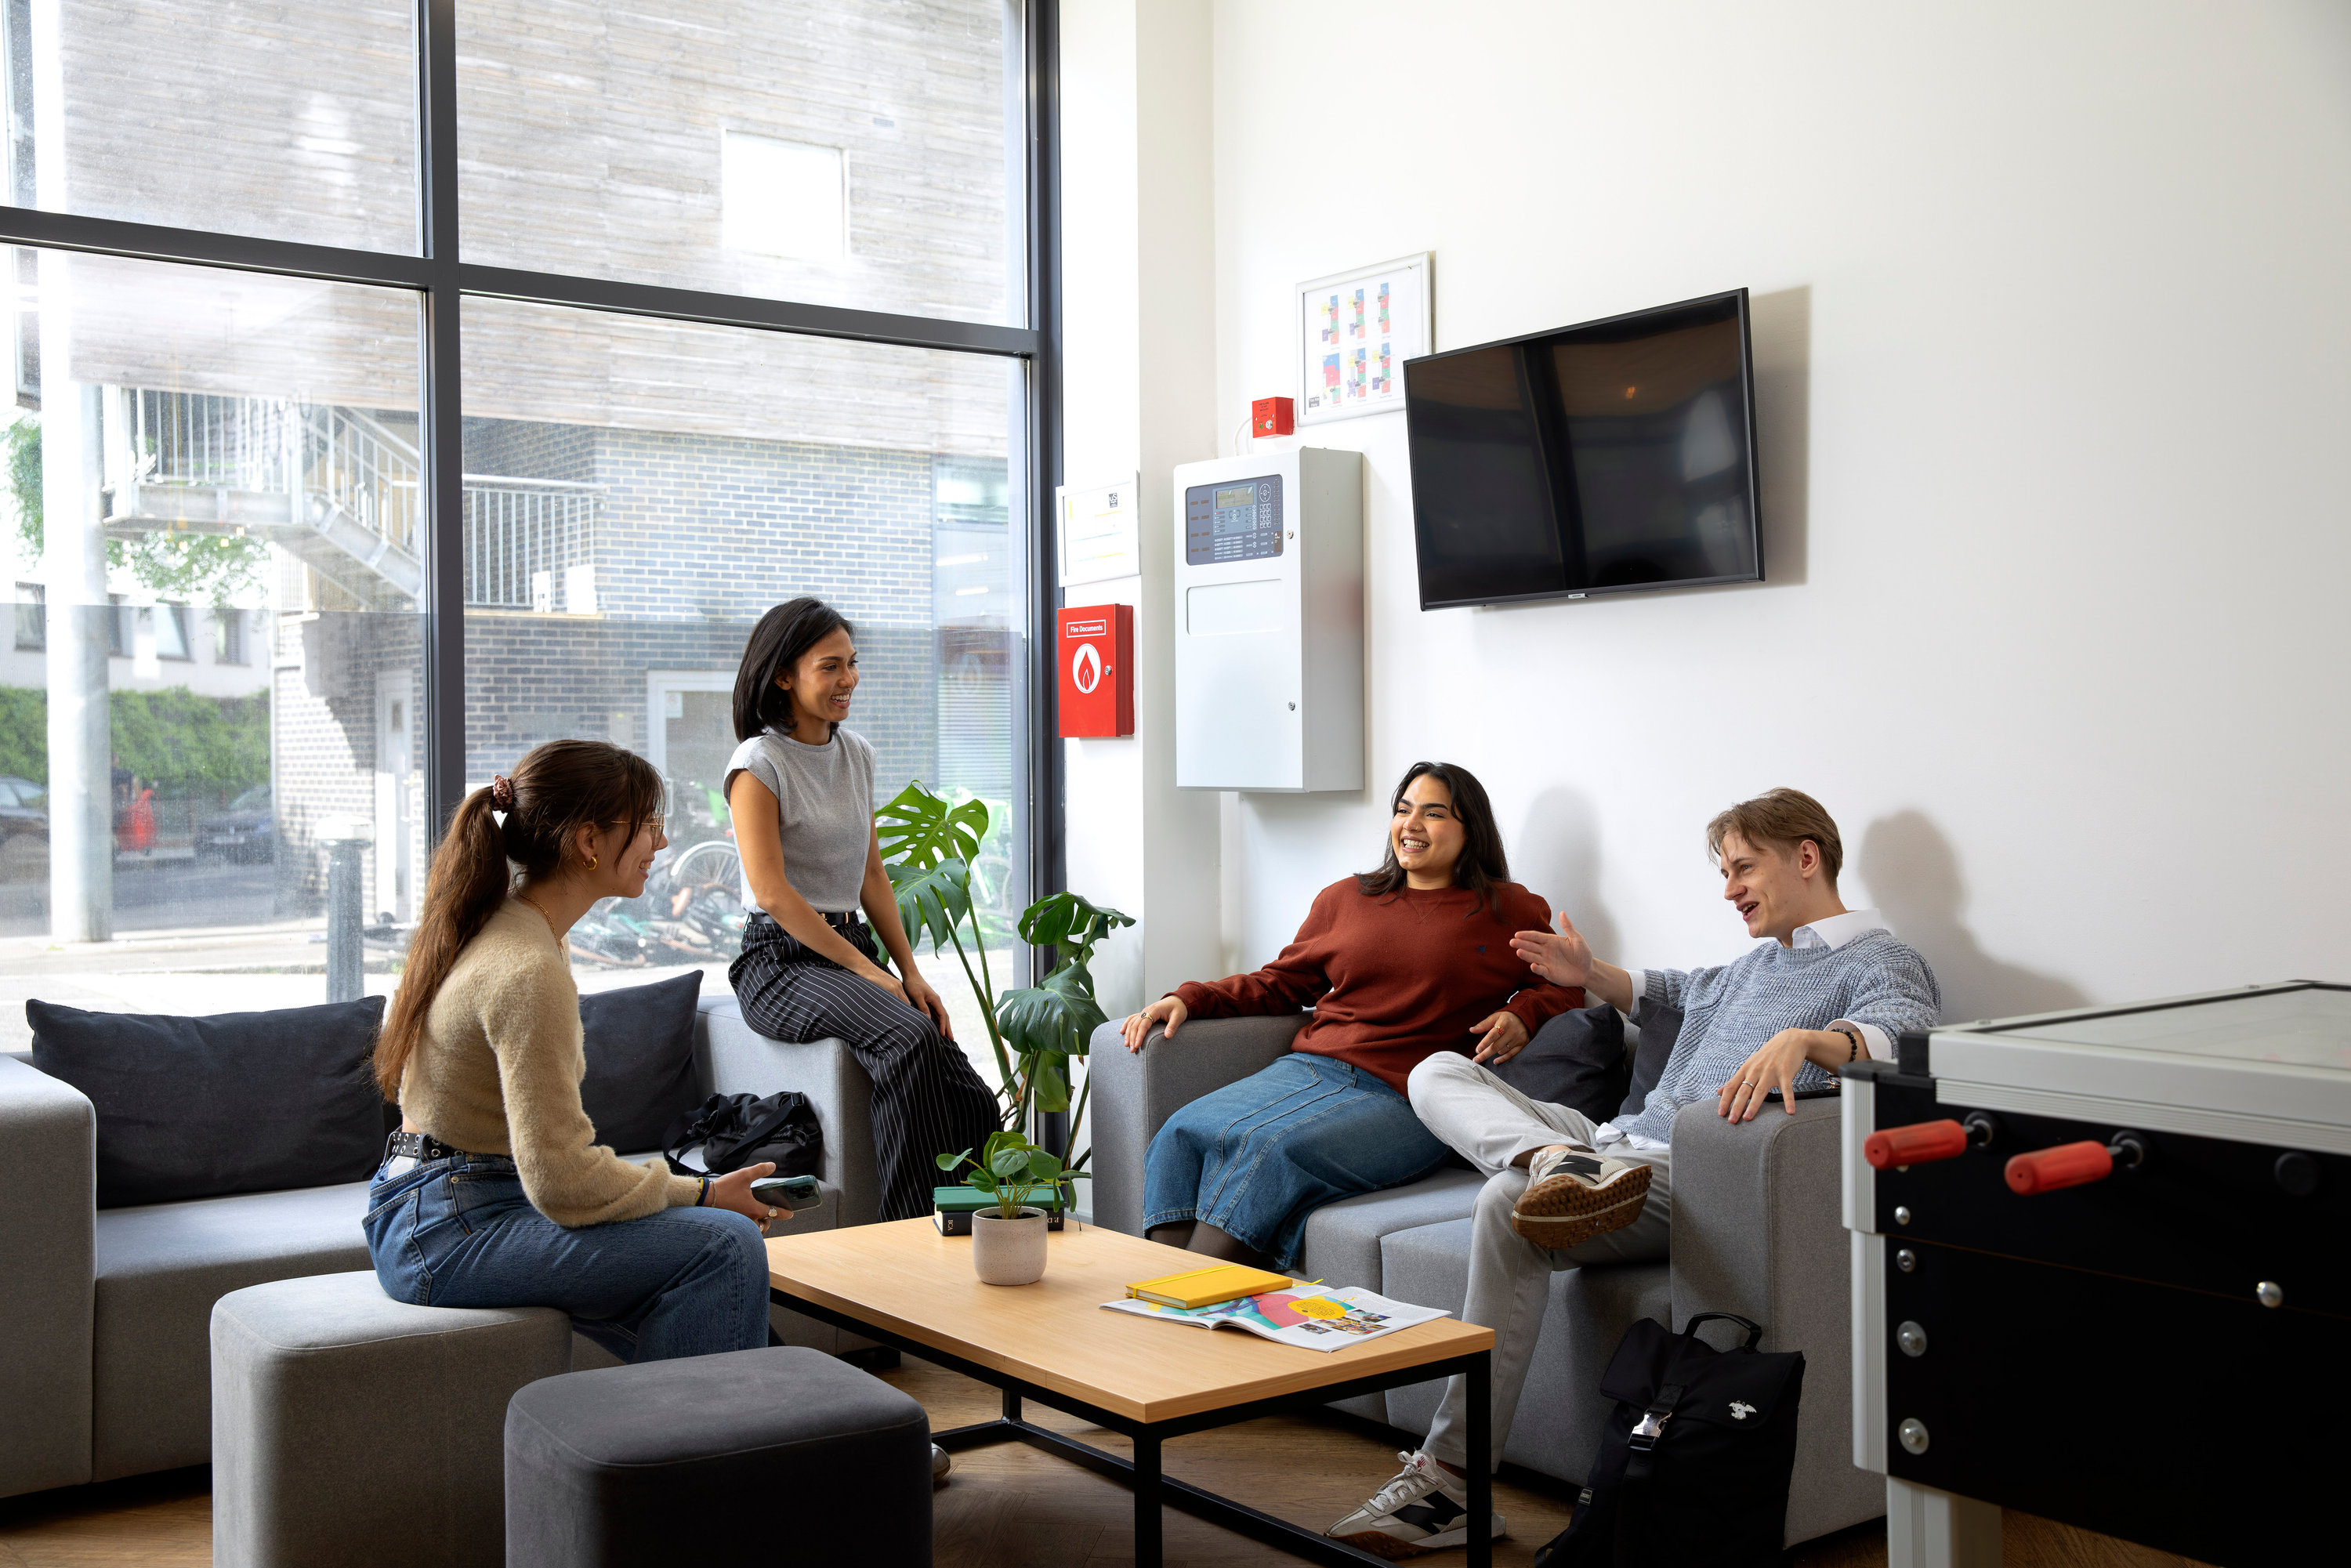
<point>1067,922</point>
<point>1057,1018</point>
<point>921,830</point>
<point>932,901</point>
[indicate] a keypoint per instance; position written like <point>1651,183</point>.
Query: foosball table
<point>2102,1273</point>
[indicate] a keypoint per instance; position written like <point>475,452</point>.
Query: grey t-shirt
<point>825,799</point>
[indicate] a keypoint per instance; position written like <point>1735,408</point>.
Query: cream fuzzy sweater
<point>497,1071</point>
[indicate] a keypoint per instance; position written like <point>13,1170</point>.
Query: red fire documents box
<point>1098,670</point>
<point>1272,416</point>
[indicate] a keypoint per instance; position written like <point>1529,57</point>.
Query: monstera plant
<point>930,846</point>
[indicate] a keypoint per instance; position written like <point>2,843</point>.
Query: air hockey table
<point>2102,1273</point>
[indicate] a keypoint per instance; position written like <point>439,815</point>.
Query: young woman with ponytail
<point>496,1193</point>
<point>800,790</point>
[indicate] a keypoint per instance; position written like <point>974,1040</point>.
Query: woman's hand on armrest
<point>1138,1025</point>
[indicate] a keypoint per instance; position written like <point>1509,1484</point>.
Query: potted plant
<point>1008,1246</point>
<point>932,850</point>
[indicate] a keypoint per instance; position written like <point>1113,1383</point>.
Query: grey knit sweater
<point>1728,1013</point>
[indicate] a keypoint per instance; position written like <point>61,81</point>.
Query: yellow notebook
<point>1206,1287</point>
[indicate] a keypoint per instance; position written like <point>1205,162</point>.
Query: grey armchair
<point>1755,1231</point>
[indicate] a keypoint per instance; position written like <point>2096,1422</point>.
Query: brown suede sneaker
<point>1574,1195</point>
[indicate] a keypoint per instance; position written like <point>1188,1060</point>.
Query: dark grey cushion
<point>1660,1027</point>
<point>639,1044</point>
<point>692,1460</point>
<point>1576,1060</point>
<point>197,1107</point>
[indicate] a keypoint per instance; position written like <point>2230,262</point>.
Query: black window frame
<point>442,280</point>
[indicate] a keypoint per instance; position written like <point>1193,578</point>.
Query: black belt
<point>423,1146</point>
<point>842,922</point>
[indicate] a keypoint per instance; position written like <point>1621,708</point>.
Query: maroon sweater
<point>1396,978</point>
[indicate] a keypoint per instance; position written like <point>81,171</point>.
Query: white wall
<point>1139,318</point>
<point>2052,338</point>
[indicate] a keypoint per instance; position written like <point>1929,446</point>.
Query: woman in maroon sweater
<point>1398,964</point>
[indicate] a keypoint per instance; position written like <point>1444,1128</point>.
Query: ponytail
<point>558,789</point>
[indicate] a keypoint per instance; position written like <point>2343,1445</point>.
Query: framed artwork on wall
<point>1355,331</point>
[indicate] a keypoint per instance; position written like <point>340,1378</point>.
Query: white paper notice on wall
<point>1098,531</point>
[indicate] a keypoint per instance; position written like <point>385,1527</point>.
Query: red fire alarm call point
<point>1098,670</point>
<point>1272,416</point>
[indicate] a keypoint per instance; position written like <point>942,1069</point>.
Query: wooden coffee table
<point>905,1284</point>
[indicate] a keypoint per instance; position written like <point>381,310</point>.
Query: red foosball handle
<point>1920,1144</point>
<point>2067,1165</point>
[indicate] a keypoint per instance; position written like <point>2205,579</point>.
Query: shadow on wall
<point>1780,324</point>
<point>1914,875</point>
<point>1556,856</point>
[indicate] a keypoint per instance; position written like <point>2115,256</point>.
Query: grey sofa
<point>105,1371</point>
<point>1755,1231</point>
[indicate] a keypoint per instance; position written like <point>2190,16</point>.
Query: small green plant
<point>929,845</point>
<point>1013,1171</point>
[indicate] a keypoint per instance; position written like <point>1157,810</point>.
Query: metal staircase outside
<point>338,488</point>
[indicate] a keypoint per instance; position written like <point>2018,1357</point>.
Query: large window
<point>399,386</point>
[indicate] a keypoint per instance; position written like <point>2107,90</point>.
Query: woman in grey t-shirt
<point>800,789</point>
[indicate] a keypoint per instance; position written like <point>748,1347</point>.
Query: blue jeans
<point>460,1233</point>
<point>1256,1157</point>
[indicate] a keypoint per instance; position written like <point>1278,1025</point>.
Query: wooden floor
<point>1010,1506</point>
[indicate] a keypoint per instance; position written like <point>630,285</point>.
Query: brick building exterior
<point>645,488</point>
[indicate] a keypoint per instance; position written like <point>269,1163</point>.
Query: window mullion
<point>441,426</point>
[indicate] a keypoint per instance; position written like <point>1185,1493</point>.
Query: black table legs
<point>1155,1491</point>
<point>1481,1463</point>
<point>1147,1502</point>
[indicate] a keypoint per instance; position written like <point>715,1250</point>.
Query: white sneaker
<point>1574,1195</point>
<point>1425,1508</point>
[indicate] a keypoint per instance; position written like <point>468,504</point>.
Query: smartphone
<point>788,1192</point>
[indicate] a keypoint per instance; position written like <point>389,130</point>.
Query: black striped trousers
<point>927,1099</point>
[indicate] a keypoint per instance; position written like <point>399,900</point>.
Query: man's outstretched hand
<point>1565,957</point>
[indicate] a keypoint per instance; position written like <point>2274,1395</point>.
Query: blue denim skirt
<point>1256,1157</point>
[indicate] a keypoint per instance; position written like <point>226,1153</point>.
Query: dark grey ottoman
<point>628,1466</point>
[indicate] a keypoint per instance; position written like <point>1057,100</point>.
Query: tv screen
<point>1610,457</point>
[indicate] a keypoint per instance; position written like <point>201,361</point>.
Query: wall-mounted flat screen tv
<point>1612,457</point>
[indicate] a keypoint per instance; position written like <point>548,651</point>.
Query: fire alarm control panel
<point>1269,619</point>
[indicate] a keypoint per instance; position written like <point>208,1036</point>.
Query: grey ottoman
<point>351,1428</point>
<point>701,1458</point>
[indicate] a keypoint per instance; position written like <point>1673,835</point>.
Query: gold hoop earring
<point>591,863</point>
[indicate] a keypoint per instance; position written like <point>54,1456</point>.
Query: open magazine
<point>1307,1316</point>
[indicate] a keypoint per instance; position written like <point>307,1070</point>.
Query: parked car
<point>247,830</point>
<point>24,830</point>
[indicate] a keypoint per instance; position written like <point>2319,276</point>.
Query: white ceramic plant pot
<point>1008,1251</point>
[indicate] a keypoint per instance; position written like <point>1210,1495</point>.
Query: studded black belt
<point>423,1146</point>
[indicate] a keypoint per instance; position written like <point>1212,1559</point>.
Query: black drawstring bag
<point>1694,1463</point>
<point>738,1130</point>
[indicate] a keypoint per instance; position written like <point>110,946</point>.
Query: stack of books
<point>953,1207</point>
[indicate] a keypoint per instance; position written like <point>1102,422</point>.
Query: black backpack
<point>738,1130</point>
<point>1694,1464</point>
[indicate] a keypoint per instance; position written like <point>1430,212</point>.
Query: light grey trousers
<point>1490,1123</point>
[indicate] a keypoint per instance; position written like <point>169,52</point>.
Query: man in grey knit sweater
<point>1829,987</point>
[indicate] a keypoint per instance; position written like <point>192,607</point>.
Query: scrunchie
<point>502,793</point>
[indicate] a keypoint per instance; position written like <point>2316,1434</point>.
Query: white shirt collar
<point>1839,929</point>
